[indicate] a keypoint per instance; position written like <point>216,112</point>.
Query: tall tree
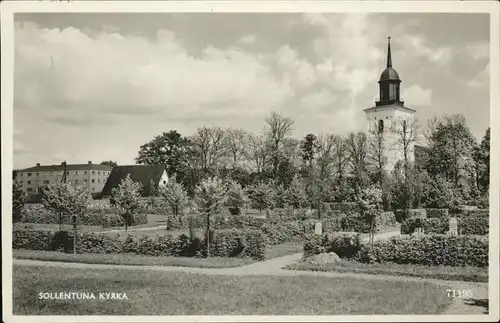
<point>482,159</point>
<point>406,133</point>
<point>19,198</point>
<point>377,157</point>
<point>357,145</point>
<point>308,147</point>
<point>258,153</point>
<point>276,130</point>
<point>451,150</point>
<point>210,196</point>
<point>127,197</point>
<point>208,149</point>
<point>236,142</point>
<point>175,196</point>
<point>295,194</point>
<point>168,148</point>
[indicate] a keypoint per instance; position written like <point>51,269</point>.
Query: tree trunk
<point>60,222</point>
<point>207,237</point>
<point>126,222</point>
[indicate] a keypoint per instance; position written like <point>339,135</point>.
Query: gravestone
<point>318,228</point>
<point>453,226</point>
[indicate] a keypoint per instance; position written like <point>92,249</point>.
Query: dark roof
<point>389,74</point>
<point>69,167</point>
<point>143,174</point>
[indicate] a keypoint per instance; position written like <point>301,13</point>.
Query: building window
<point>98,173</point>
<point>29,182</point>
<point>76,181</point>
<point>29,174</point>
<point>46,182</point>
<point>164,182</point>
<point>37,174</point>
<point>93,181</point>
<point>85,181</point>
<point>67,173</point>
<point>98,181</point>
<point>30,189</point>
<point>380,126</point>
<point>85,173</point>
<point>93,172</point>
<point>76,173</point>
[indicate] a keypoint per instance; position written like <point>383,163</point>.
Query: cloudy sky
<point>97,86</point>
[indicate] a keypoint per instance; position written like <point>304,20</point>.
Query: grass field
<point>437,272</point>
<point>167,293</point>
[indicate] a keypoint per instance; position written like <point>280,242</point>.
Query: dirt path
<point>134,229</point>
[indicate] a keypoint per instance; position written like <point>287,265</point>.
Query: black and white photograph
<point>196,161</point>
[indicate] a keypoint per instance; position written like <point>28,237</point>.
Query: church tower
<point>390,119</point>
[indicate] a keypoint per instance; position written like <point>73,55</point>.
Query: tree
<point>210,196</point>
<point>482,159</point>
<point>258,153</point>
<point>264,194</point>
<point>168,148</point>
<point>377,156</point>
<point>236,142</point>
<point>175,196</point>
<point>236,197</point>
<point>308,147</point>
<point>295,195</point>
<point>19,198</point>
<point>65,200</point>
<point>369,201</point>
<point>357,147</point>
<point>406,133</point>
<point>109,163</point>
<point>404,186</point>
<point>451,153</point>
<point>208,149</point>
<point>438,193</point>
<point>276,130</point>
<point>127,197</point>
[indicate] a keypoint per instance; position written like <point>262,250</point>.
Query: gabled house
<point>146,175</point>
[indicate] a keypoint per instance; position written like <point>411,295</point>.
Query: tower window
<point>380,126</point>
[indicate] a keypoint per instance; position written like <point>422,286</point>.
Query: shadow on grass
<point>478,302</point>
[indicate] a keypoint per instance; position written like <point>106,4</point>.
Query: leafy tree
<point>276,130</point>
<point>236,145</point>
<point>19,198</point>
<point>168,148</point>
<point>210,196</point>
<point>369,201</point>
<point>308,148</point>
<point>377,156</point>
<point>109,163</point>
<point>357,146</point>
<point>451,147</point>
<point>264,194</point>
<point>208,150</point>
<point>65,200</point>
<point>127,197</point>
<point>438,192</point>
<point>482,159</point>
<point>404,183</point>
<point>236,196</point>
<point>295,194</point>
<point>175,196</point>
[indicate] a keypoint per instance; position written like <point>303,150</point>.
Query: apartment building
<point>92,176</point>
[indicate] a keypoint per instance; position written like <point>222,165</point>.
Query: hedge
<point>104,217</point>
<point>471,213</point>
<point>437,213</point>
<point>411,213</point>
<point>343,206</point>
<point>224,243</point>
<point>466,225</point>
<point>345,245</point>
<point>433,250</point>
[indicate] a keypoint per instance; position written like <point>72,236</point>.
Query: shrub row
<point>92,217</point>
<point>224,243</point>
<point>466,225</point>
<point>345,245</point>
<point>434,250</point>
<point>437,213</point>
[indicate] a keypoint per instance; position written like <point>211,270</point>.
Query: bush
<point>413,213</point>
<point>345,245</point>
<point>400,215</point>
<point>471,213</point>
<point>386,219</point>
<point>225,243</point>
<point>437,213</point>
<point>435,250</point>
<point>466,225</point>
<point>313,245</point>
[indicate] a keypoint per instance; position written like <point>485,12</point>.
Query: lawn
<point>437,272</point>
<point>168,293</point>
<point>132,259</point>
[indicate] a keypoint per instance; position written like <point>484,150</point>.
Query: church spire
<point>389,59</point>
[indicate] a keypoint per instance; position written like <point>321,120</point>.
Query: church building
<point>390,119</point>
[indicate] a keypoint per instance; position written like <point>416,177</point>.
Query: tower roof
<point>389,74</point>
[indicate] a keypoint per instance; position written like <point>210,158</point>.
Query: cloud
<point>417,96</point>
<point>248,39</point>
<point>478,50</point>
<point>482,79</point>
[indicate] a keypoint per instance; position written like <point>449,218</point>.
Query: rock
<point>323,259</point>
